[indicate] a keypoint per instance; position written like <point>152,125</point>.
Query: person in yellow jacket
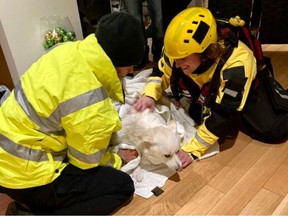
<point>57,123</point>
<point>193,48</point>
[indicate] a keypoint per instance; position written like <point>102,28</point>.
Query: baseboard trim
<point>275,47</point>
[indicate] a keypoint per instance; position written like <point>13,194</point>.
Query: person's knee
<point>129,186</point>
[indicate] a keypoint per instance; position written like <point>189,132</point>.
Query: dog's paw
<point>138,174</point>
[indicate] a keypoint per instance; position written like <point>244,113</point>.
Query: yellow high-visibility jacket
<point>236,77</point>
<point>60,112</point>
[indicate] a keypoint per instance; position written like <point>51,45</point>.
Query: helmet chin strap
<point>203,66</point>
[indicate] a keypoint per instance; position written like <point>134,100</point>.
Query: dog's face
<point>156,141</point>
<point>161,146</point>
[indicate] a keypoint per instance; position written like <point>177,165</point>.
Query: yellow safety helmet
<point>190,31</point>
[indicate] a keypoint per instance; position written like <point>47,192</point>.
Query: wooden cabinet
<point>5,76</point>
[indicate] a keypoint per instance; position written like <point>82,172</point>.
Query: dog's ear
<point>173,125</point>
<point>146,136</point>
<point>146,139</point>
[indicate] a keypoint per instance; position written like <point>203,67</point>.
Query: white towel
<point>155,176</point>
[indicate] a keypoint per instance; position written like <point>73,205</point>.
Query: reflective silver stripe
<point>278,91</point>
<point>52,123</point>
<point>90,159</point>
<point>155,81</point>
<point>206,144</point>
<point>230,92</point>
<point>79,102</point>
<point>28,153</point>
<point>46,124</point>
<point>110,163</point>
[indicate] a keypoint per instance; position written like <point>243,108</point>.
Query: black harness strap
<point>215,82</point>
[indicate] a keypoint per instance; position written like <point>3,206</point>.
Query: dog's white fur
<point>155,140</point>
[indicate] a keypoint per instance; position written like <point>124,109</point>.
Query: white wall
<point>20,36</point>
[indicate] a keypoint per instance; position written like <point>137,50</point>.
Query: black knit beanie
<point>121,37</point>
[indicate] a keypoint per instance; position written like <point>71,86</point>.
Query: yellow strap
<point>236,21</point>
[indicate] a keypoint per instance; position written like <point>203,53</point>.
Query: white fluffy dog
<point>155,140</point>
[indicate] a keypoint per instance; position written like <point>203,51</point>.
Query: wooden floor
<point>247,178</point>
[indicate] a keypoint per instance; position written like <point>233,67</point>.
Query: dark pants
<point>100,190</point>
<point>135,8</point>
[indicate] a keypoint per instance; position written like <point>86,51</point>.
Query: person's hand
<point>144,102</point>
<point>185,158</point>
<point>127,155</point>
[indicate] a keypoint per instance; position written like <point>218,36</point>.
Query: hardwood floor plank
<point>193,178</point>
<point>275,47</point>
<point>143,204</point>
<point>278,183</point>
<point>202,202</point>
<point>240,195</point>
<point>238,167</point>
<point>256,207</point>
<point>282,209</point>
<point>230,148</point>
<point>279,63</point>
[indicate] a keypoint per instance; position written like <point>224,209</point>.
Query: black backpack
<point>266,111</point>
<point>265,114</point>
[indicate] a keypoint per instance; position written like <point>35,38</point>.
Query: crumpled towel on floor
<point>155,176</point>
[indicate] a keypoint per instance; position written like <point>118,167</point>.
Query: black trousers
<point>100,190</point>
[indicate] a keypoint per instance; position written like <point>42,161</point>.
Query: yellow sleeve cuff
<point>194,147</point>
